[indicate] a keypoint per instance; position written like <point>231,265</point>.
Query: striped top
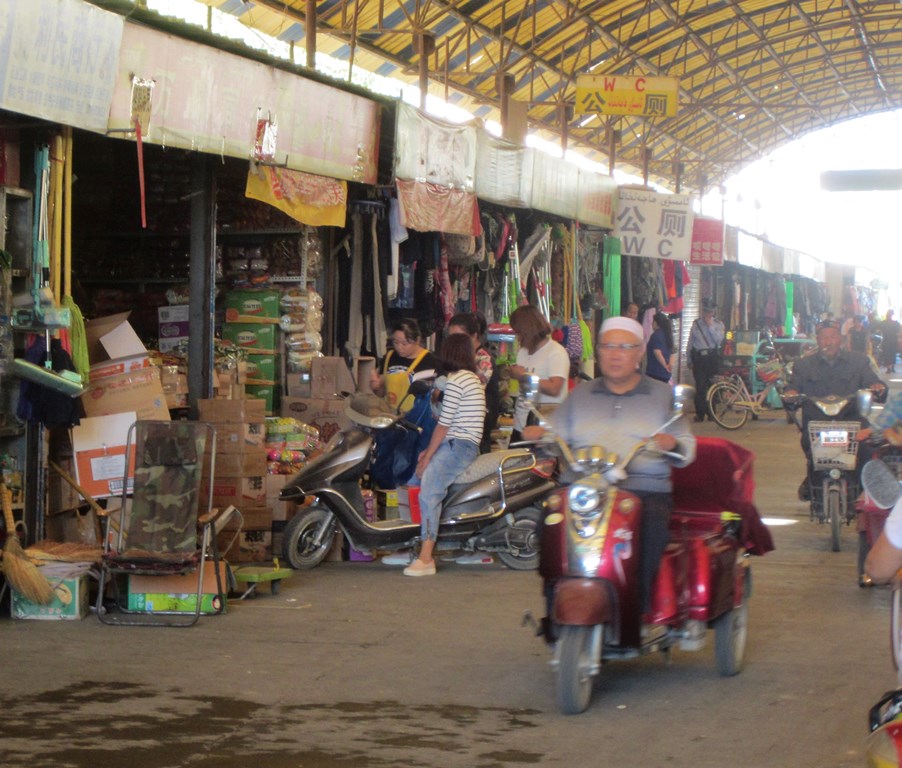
<point>463,407</point>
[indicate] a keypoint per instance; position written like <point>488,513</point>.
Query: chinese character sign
<point>654,224</point>
<point>58,60</point>
<point>627,95</point>
<point>707,242</point>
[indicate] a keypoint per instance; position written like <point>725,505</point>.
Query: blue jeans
<point>452,457</point>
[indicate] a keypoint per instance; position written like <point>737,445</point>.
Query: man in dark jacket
<point>831,370</point>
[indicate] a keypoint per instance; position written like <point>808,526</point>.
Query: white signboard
<point>654,224</point>
<point>209,100</point>
<point>503,171</point>
<point>58,60</point>
<point>434,151</point>
<point>555,186</point>
<point>597,195</point>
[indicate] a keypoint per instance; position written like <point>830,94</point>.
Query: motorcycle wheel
<point>730,633</point>
<point>523,536</point>
<point>835,516</point>
<point>574,682</point>
<point>300,548</point>
<point>721,399</point>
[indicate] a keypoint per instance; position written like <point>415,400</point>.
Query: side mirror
<point>683,394</point>
<point>881,484</point>
<point>864,398</point>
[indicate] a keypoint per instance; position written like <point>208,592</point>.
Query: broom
<point>21,573</point>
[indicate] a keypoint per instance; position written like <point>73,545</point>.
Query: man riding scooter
<point>832,370</point>
<point>619,409</point>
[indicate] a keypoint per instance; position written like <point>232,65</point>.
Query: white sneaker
<point>398,558</point>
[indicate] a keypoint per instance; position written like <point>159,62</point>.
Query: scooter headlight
<point>832,407</point>
<point>584,498</point>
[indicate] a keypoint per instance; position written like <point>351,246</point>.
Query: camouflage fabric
<point>164,507</point>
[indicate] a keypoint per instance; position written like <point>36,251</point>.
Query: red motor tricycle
<point>589,562</point>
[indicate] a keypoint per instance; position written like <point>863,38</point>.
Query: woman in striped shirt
<point>454,444</point>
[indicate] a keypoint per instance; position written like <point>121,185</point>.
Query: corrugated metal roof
<point>753,75</point>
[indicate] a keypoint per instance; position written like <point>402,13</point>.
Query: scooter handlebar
<point>408,425</point>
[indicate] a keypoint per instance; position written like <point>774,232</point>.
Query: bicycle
<point>731,404</point>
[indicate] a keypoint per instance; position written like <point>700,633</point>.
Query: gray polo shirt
<point>593,415</point>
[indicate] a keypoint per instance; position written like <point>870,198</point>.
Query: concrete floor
<point>355,665</point>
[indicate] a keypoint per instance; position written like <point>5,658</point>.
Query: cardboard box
<point>139,392</point>
<point>246,546</point>
<point>297,384</point>
<point>112,337</point>
<point>268,393</point>
<point>242,464</point>
<point>329,377</point>
<point>70,602</point>
<point>218,411</point>
<point>171,344</point>
<point>253,306</point>
<point>177,313</point>
<point>253,518</point>
<point>326,414</point>
<point>172,381</point>
<point>241,438</point>
<point>98,444</point>
<point>251,336</point>
<point>364,367</point>
<point>119,366</point>
<point>240,491</point>
<point>177,592</point>
<point>149,602</point>
<point>173,327</point>
<point>262,369</point>
<point>281,511</point>
<point>174,331</point>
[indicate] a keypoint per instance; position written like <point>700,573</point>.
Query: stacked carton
<point>124,386</point>
<point>325,406</point>
<point>252,323</point>
<point>240,474</point>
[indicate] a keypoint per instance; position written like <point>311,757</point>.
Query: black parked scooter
<point>494,506</point>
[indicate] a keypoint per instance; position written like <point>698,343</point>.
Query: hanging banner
<point>58,60</point>
<point>750,250</point>
<point>309,199</point>
<point>434,151</point>
<point>654,224</point>
<point>555,186</point>
<point>596,194</point>
<point>212,101</point>
<point>707,242</point>
<point>434,208</point>
<point>503,171</point>
<point>626,95</point>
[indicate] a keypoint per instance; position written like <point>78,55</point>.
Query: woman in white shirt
<point>539,355</point>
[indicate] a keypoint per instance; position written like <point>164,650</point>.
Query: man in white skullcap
<point>617,411</point>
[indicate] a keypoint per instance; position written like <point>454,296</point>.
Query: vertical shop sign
<point>654,224</point>
<point>707,242</point>
<point>596,196</point>
<point>58,60</point>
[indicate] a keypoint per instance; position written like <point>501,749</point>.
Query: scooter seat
<point>488,463</point>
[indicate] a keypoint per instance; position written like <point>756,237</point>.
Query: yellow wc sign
<point>627,95</point>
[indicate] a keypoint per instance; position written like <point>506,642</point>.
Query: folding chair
<point>166,528</point>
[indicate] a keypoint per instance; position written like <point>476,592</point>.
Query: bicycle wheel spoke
<point>726,404</point>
